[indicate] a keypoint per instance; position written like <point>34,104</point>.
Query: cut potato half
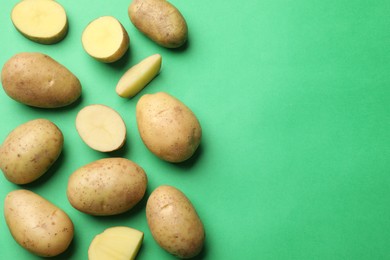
<point>138,76</point>
<point>101,128</point>
<point>116,243</point>
<point>42,21</point>
<point>105,39</point>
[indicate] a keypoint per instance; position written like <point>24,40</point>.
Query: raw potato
<point>101,128</point>
<point>160,21</point>
<point>168,128</point>
<point>42,21</point>
<point>30,150</point>
<point>36,224</point>
<point>116,243</point>
<point>108,186</point>
<point>138,76</point>
<point>105,39</point>
<point>174,222</point>
<point>37,80</point>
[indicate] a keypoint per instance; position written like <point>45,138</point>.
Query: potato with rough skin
<point>168,128</point>
<point>42,21</point>
<point>30,150</point>
<point>174,222</point>
<point>36,224</point>
<point>160,21</point>
<point>37,80</point>
<point>108,186</point>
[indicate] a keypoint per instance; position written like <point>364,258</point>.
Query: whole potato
<point>168,128</point>
<point>160,21</point>
<point>30,150</point>
<point>174,222</point>
<point>36,224</point>
<point>37,80</point>
<point>107,186</point>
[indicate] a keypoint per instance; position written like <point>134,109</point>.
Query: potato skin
<point>174,222</point>
<point>30,150</point>
<point>160,21</point>
<point>169,129</point>
<point>37,80</point>
<point>36,224</point>
<point>108,186</point>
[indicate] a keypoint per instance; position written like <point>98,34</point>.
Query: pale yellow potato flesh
<point>116,243</point>
<point>101,128</point>
<point>42,21</point>
<point>105,39</point>
<point>138,76</point>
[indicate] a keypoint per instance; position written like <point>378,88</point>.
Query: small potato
<point>168,128</point>
<point>36,224</point>
<point>30,150</point>
<point>108,186</point>
<point>174,222</point>
<point>37,80</point>
<point>42,21</point>
<point>160,21</point>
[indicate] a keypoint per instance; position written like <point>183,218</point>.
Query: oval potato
<point>36,224</point>
<point>37,80</point>
<point>30,150</point>
<point>169,129</point>
<point>108,186</point>
<point>160,21</point>
<point>174,222</point>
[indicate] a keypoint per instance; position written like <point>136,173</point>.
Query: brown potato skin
<point>168,128</point>
<point>30,150</point>
<point>174,222</point>
<point>36,224</point>
<point>160,21</point>
<point>37,80</point>
<point>106,187</point>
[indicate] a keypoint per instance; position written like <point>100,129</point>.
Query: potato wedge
<point>105,39</point>
<point>138,76</point>
<point>42,21</point>
<point>101,128</point>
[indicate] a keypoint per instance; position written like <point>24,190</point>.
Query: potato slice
<point>116,243</point>
<point>138,76</point>
<point>42,21</point>
<point>101,128</point>
<point>105,39</point>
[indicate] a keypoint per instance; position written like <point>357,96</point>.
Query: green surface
<point>293,98</point>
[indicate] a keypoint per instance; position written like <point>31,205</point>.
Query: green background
<point>293,98</point>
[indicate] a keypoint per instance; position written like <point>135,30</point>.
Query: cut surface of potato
<point>105,39</point>
<point>42,21</point>
<point>116,243</point>
<point>101,128</point>
<point>138,76</point>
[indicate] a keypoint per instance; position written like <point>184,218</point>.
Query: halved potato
<point>120,243</point>
<point>101,128</point>
<point>105,39</point>
<point>42,21</point>
<point>138,76</point>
